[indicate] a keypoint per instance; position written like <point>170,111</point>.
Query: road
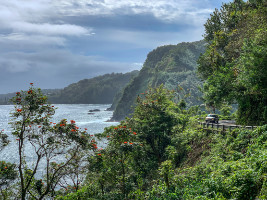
<point>227,122</point>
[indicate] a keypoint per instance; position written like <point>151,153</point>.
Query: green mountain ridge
<point>171,65</point>
<point>97,90</point>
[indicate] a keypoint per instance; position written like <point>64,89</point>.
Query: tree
<point>113,166</point>
<point>8,175</point>
<point>153,119</point>
<point>234,64</point>
<point>55,145</point>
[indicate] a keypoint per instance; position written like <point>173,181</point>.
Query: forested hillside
<point>171,65</point>
<point>98,90</point>
<point>234,66</point>
<point>160,152</point>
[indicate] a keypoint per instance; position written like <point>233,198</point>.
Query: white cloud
<point>47,40</point>
<point>49,29</point>
<point>175,11</point>
<point>58,62</point>
<point>151,39</point>
<point>33,16</point>
<point>17,41</point>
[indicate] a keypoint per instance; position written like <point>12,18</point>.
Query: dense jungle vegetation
<point>171,65</point>
<point>103,89</point>
<point>98,90</point>
<point>159,152</point>
<point>234,66</point>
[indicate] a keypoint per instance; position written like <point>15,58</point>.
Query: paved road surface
<point>227,122</point>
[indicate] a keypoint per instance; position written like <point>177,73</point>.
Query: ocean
<point>95,123</point>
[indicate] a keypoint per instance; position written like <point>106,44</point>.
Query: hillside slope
<point>171,65</point>
<point>98,90</point>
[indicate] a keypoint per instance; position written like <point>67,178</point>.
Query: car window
<point>212,115</point>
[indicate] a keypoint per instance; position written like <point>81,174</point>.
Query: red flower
<point>30,92</point>
<point>19,110</point>
<point>130,143</point>
<point>134,133</point>
<point>99,154</point>
<point>85,129</point>
<point>17,93</point>
<point>17,139</point>
<point>39,126</point>
<point>125,142</point>
<point>73,130</point>
<point>72,121</point>
<point>31,83</point>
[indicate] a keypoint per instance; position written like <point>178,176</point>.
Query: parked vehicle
<point>212,118</point>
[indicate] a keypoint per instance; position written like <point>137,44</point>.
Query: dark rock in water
<point>94,110</point>
<point>109,109</point>
<point>4,139</point>
<point>90,113</point>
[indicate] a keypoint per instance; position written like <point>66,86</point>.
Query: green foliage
<point>159,153</point>
<point>225,110</point>
<point>234,168</point>
<point>58,145</point>
<point>98,90</point>
<point>154,119</point>
<point>234,64</point>
<point>8,174</point>
<point>171,65</point>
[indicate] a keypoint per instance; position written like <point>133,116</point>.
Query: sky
<point>53,43</point>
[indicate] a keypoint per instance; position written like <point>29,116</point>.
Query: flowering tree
<point>112,167</point>
<point>55,145</point>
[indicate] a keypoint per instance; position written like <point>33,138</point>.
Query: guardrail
<point>223,127</point>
